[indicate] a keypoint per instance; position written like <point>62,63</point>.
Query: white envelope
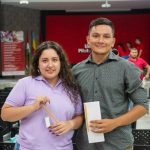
<point>92,112</point>
<point>47,122</point>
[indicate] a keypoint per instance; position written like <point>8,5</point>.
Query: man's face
<point>137,41</point>
<point>101,39</point>
<point>133,53</point>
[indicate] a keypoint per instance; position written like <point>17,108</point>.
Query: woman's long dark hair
<point>65,74</point>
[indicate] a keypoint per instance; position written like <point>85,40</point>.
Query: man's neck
<point>133,59</point>
<point>99,58</point>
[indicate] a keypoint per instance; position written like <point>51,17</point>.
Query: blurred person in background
<point>140,63</point>
<point>139,46</point>
<point>123,52</point>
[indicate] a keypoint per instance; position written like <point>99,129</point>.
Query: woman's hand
<point>40,101</point>
<point>61,127</point>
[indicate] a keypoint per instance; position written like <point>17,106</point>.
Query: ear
<point>87,39</point>
<point>113,42</point>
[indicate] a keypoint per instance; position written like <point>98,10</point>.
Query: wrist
<point>117,122</point>
<point>33,108</point>
<point>147,75</point>
<point>71,124</point>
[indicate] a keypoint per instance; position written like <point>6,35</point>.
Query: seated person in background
<point>123,52</point>
<point>139,46</point>
<point>128,46</point>
<point>139,62</point>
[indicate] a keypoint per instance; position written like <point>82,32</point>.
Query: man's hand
<point>103,126</point>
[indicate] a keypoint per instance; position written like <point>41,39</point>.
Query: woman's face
<point>49,65</point>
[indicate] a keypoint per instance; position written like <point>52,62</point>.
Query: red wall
<point>71,30</point>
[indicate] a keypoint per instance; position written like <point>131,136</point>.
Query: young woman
<point>52,86</point>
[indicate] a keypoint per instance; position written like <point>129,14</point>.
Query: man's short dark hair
<point>102,21</point>
<point>115,51</point>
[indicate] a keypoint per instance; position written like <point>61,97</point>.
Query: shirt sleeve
<point>144,63</point>
<point>133,86</point>
<point>78,107</point>
<point>17,95</point>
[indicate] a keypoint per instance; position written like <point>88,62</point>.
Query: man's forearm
<point>131,116</point>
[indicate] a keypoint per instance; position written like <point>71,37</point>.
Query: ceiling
<point>82,5</point>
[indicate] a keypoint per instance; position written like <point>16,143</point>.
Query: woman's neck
<point>53,81</point>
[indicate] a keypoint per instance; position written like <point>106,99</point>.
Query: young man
<point>112,81</point>
<point>139,62</point>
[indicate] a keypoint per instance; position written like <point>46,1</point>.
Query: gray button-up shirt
<point>113,83</point>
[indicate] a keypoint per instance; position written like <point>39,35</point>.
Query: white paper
<point>144,122</point>
<point>92,112</point>
<point>143,83</point>
<point>47,122</point>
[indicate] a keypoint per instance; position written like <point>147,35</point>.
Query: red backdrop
<point>71,30</point>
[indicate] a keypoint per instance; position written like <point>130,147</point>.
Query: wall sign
<point>12,53</point>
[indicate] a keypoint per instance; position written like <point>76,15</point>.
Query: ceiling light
<point>24,2</point>
<point>106,4</point>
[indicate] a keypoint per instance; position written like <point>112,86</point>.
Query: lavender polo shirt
<point>33,134</point>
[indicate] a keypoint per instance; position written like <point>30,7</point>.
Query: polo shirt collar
<point>40,78</point>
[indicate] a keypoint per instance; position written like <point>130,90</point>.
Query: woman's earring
<point>38,71</point>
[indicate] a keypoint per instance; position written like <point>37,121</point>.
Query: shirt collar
<point>111,56</point>
<point>40,78</point>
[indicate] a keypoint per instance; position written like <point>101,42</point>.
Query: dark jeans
<point>16,147</point>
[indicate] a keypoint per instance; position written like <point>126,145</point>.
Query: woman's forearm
<point>77,121</point>
<point>12,114</point>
